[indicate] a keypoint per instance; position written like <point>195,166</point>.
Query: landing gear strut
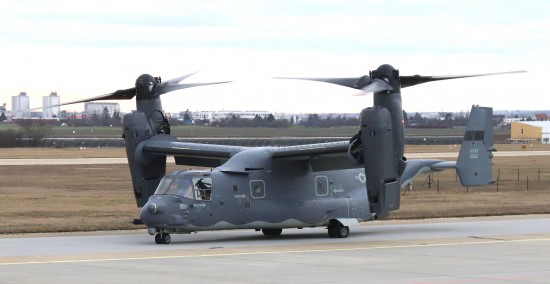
<point>162,238</point>
<point>337,230</point>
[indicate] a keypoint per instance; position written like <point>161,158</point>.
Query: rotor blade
<point>126,94</point>
<point>377,85</point>
<point>346,82</point>
<point>179,79</point>
<point>163,89</point>
<point>408,81</point>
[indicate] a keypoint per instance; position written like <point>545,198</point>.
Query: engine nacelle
<point>146,170</point>
<point>381,169</point>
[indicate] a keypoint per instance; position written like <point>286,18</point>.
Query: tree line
<point>95,119</point>
<point>31,132</point>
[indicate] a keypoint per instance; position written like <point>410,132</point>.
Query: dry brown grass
<point>99,197</point>
<point>65,198</point>
<point>59,153</point>
<point>530,194</point>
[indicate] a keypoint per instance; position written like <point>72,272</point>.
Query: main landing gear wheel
<point>163,238</point>
<point>272,232</point>
<point>337,230</point>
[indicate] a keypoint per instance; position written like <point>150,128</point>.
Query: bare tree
<point>36,129</point>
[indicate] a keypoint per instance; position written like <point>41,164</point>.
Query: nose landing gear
<point>163,238</point>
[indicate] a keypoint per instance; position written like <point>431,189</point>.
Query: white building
<point>20,106</point>
<point>47,103</point>
<point>203,115</point>
<point>509,120</point>
<point>246,114</point>
<point>92,107</point>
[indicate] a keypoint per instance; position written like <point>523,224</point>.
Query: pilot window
<point>195,188</point>
<point>203,188</point>
<point>181,187</point>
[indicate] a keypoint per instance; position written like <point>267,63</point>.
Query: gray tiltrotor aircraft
<point>336,185</point>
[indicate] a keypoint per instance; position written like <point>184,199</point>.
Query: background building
<point>20,106</point>
<point>47,102</point>
<point>531,132</point>
<point>247,114</point>
<point>92,107</point>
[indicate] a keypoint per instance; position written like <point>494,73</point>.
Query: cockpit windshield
<point>162,188</point>
<point>198,188</point>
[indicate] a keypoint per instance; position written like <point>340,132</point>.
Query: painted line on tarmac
<point>486,242</point>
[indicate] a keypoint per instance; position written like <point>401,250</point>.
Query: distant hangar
<point>531,132</point>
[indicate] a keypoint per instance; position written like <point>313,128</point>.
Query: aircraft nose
<point>160,214</point>
<point>154,208</point>
<point>152,213</point>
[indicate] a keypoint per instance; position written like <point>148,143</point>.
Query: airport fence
<point>505,179</point>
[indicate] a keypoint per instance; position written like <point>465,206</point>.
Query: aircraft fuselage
<point>259,199</point>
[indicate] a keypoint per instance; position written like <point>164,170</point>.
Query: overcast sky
<point>88,48</point>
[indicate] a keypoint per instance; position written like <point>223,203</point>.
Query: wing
<point>191,154</point>
<point>322,156</point>
<point>301,152</point>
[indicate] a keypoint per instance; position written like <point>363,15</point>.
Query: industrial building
<point>47,103</point>
<point>20,106</point>
<point>531,132</point>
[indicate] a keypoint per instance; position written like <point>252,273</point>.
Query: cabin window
<point>321,185</point>
<point>257,189</point>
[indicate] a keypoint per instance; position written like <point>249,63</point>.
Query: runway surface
<point>92,161</point>
<point>511,249</point>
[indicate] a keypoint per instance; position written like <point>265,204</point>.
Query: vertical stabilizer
<point>474,164</point>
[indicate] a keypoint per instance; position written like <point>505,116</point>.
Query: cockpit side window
<point>203,188</point>
<point>199,188</point>
<point>183,187</point>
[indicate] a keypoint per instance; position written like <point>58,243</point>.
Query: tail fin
<point>474,164</point>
